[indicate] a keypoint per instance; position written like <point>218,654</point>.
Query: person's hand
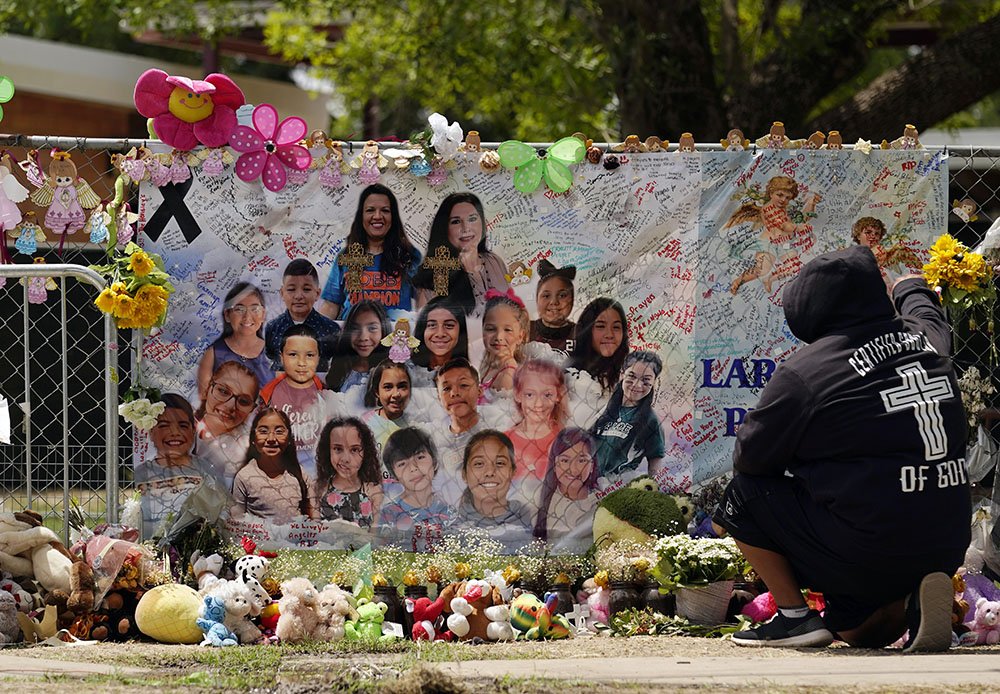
<point>911,276</point>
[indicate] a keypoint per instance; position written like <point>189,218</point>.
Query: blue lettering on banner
<point>760,371</point>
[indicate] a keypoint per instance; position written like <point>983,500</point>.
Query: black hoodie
<point>867,417</point>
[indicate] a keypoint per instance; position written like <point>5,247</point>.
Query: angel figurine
<point>908,140</point>
<point>517,274</point>
<point>369,163</point>
<point>213,160</point>
<point>400,342</point>
<point>178,170</point>
<point>123,223</point>
<point>66,195</point>
<point>965,210</point>
<point>132,164</point>
<point>39,287</point>
<point>28,235</point>
<point>99,220</point>
<point>11,192</point>
<point>775,138</point>
<point>735,141</point>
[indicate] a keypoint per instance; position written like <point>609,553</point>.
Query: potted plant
<point>701,571</point>
<point>626,563</point>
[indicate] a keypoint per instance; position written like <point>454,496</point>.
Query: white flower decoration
<point>141,413</point>
<point>863,145</point>
<point>446,138</point>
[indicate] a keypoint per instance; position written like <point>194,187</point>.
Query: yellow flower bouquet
<point>962,278</point>
<point>138,288</point>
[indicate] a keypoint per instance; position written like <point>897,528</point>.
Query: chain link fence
<point>60,471</point>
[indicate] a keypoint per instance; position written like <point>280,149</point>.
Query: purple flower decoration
<point>268,147</point>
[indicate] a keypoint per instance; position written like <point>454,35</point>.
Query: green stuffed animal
<point>368,625</point>
<point>533,619</point>
<point>638,512</point>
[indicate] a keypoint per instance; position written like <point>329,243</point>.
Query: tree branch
<point>940,80</point>
<point>826,48</point>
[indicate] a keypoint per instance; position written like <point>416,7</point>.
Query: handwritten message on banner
<point>641,359</point>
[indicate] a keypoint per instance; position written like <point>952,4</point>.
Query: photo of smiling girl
<point>628,431</point>
<point>442,330</point>
<point>389,394</point>
<point>417,519</point>
<point>601,342</point>
<point>488,469</point>
<point>540,401</point>
<point>242,338</point>
<point>566,512</point>
<point>271,484</point>
<point>359,347</point>
<point>554,297</point>
<point>348,481</point>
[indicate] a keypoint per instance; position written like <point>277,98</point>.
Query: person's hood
<point>834,292</point>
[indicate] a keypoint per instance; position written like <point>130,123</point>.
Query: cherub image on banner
<point>871,233</point>
<point>786,229</point>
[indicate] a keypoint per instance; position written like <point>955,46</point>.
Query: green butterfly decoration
<point>6,92</point>
<point>531,167</point>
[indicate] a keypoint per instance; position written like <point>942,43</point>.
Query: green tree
<point>540,69</point>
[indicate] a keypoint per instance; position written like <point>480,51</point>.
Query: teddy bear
<point>240,606</point>
<point>368,624</point>
<point>427,619</point>
<point>477,610</point>
<point>30,550</point>
<point>986,623</point>
<point>334,608</point>
<point>212,621</point>
<point>82,586</point>
<point>22,598</point>
<point>298,607</point>
<point>10,630</point>
<point>533,619</point>
<point>119,608</point>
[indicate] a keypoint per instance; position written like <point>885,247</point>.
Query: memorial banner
<point>390,362</point>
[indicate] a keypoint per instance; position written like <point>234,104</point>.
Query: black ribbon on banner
<point>173,207</point>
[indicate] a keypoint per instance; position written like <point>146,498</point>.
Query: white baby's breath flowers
<point>141,413</point>
<point>974,389</point>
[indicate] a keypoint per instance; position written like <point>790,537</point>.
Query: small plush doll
<point>66,195</point>
<point>10,630</point>
<point>533,619</point>
<point>815,140</point>
<point>82,586</point>
<point>834,140</point>
<point>655,144</point>
<point>334,609</point>
<point>632,145</point>
<point>11,192</point>
<point>427,619</point>
<point>206,569</point>
<point>908,140</point>
<point>212,622</point>
<point>477,610</point>
<point>298,606</point>
<point>986,623</point>
<point>368,625</point>
<point>400,342</point>
<point>240,605</point>
<point>518,274</point>
<point>775,138</point>
<point>965,210</point>
<point>22,598</point>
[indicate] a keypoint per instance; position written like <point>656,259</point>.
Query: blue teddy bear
<point>216,632</point>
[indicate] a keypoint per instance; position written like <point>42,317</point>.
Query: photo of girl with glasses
<point>566,513</point>
<point>628,430</point>
<point>270,484</point>
<point>348,481</point>
<point>242,339</point>
<point>231,395</point>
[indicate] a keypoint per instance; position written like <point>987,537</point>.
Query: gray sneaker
<point>928,615</point>
<point>808,631</point>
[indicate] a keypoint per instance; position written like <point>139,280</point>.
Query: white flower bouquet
<point>686,562</point>
<point>141,413</point>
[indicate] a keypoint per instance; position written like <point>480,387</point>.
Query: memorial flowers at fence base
<point>688,562</point>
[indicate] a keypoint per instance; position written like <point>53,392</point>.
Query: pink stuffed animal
<point>600,608</point>
<point>761,608</point>
<point>298,606</point>
<point>987,621</point>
